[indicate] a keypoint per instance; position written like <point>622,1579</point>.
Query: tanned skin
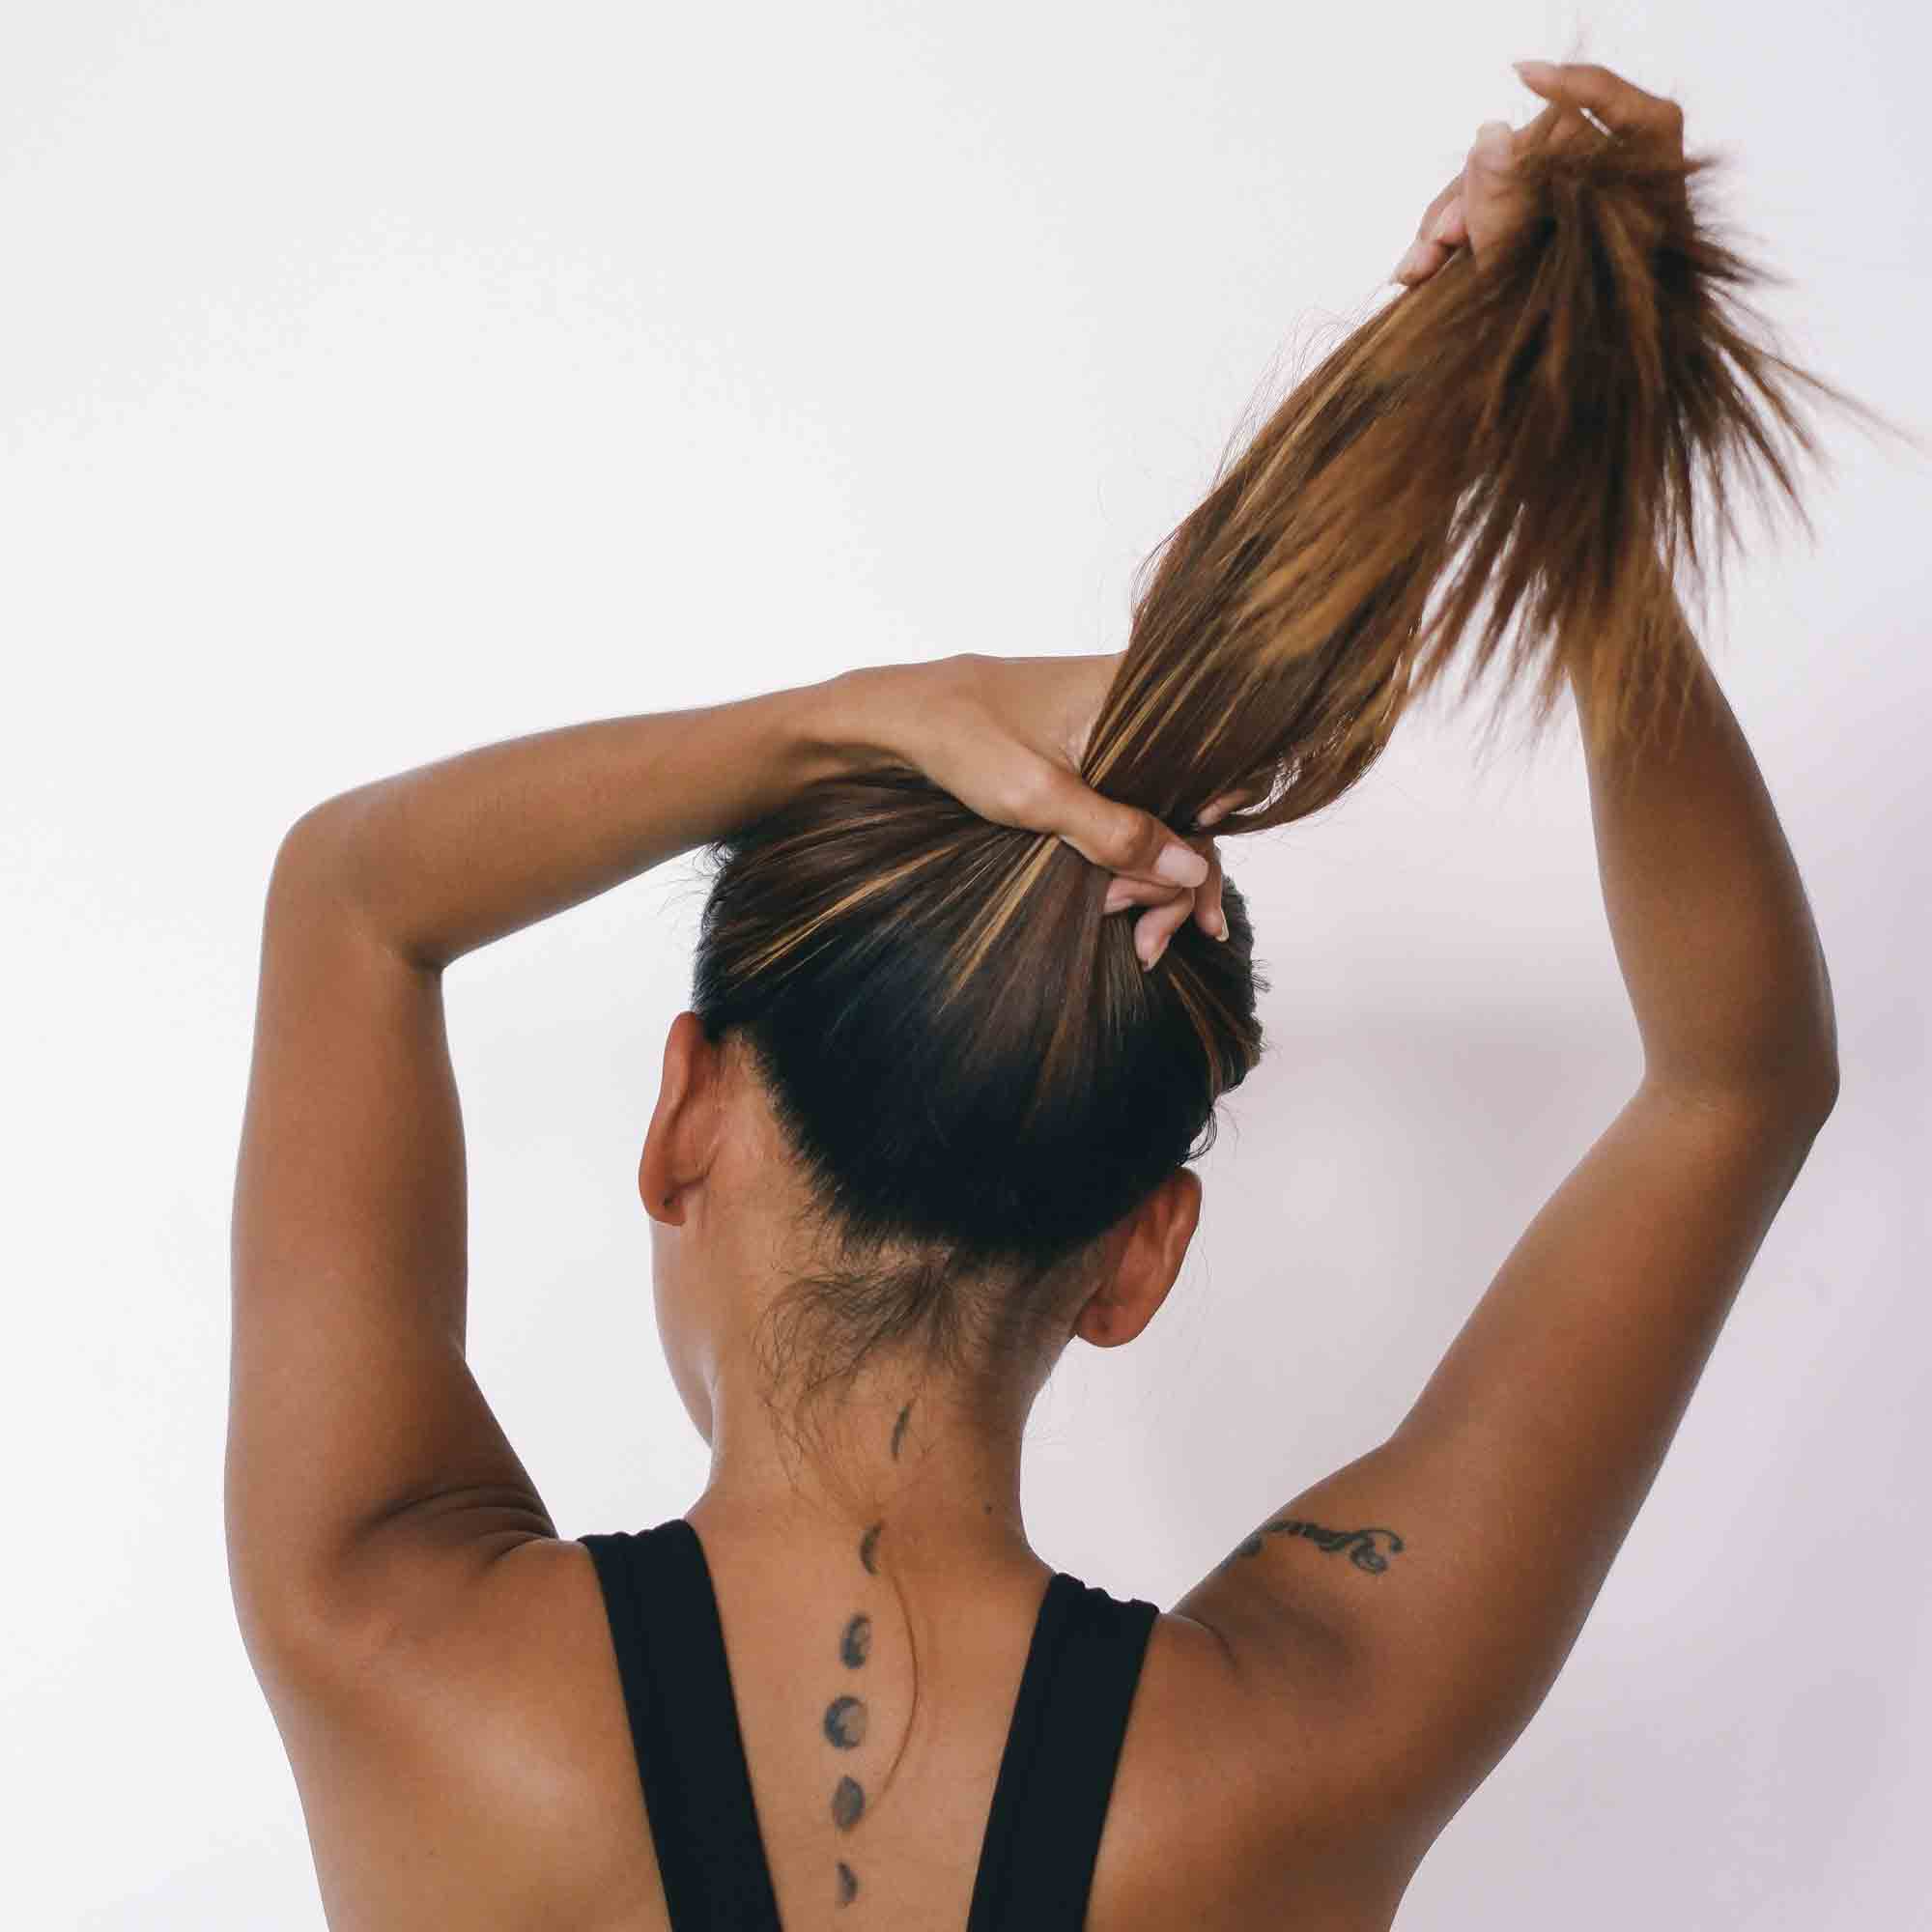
<point>1309,1716</point>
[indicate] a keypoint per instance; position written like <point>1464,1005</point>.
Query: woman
<point>964,1003</point>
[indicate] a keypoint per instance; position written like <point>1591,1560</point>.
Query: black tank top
<point>1056,1773</point>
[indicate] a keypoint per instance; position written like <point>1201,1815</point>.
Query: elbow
<point>1825,1089</point>
<point>1812,1070</point>
<point>1798,1084</point>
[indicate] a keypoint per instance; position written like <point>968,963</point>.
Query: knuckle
<point>1137,843</point>
<point>1028,794</point>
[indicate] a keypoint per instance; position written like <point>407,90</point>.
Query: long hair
<point>973,1070</point>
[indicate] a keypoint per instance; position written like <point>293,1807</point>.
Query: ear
<point>679,1142</point>
<point>1149,1245</point>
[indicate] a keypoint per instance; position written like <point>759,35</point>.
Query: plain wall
<point>380,381</point>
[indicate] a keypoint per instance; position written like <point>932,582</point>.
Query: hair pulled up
<point>973,1070</point>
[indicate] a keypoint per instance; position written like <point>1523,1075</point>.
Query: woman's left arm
<point>365,1471</point>
<point>450,856</point>
<point>446,858</point>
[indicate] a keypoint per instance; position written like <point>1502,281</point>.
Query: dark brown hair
<point>971,1065</point>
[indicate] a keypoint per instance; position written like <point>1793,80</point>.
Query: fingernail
<point>1220,923</point>
<point>1180,866</point>
<point>1411,262</point>
<point>1118,897</point>
<point>1536,71</point>
<point>1443,223</point>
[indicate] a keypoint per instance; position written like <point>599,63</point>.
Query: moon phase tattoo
<point>848,1803</point>
<point>847,1717</point>
<point>845,1722</point>
<point>855,1643</point>
<point>1359,1544</point>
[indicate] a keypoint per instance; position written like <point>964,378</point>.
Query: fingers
<point>1175,879</point>
<point>1207,910</point>
<point>1498,194</point>
<point>1491,155</point>
<point>1451,229</point>
<point>1169,908</point>
<point>1489,184</point>
<point>1431,247</point>
<point>1584,101</point>
<point>1120,837</point>
<point>1623,107</point>
<point>1217,808</point>
<point>1470,209</point>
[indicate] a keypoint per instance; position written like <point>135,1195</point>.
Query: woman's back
<point>481,1770</point>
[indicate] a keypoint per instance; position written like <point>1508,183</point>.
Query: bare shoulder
<point>1237,1801</point>
<point>471,1763</point>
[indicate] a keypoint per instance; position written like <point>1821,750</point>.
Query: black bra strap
<point>683,1722</point>
<point>1056,1776</point>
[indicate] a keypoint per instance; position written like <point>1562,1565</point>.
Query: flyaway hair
<point>1532,451</point>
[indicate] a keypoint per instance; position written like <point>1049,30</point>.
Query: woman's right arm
<point>1505,1493</point>
<point>1707,912</point>
<point>1389,1634</point>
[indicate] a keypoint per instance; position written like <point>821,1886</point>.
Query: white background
<point>380,381</point>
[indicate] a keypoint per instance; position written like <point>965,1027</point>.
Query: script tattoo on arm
<point>1358,1543</point>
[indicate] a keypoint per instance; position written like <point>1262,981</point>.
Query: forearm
<point>1707,911</point>
<point>449,856</point>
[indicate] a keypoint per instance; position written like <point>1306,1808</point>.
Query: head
<point>923,1160</point>
<point>926,1116</point>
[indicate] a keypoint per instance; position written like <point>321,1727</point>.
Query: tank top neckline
<point>1050,1798</point>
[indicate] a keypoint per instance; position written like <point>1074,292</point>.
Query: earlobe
<point>1186,1185</point>
<point>660,1174</point>
<point>655,1190</point>
<point>1152,1246</point>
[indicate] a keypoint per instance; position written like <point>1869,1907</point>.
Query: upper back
<point>481,1770</point>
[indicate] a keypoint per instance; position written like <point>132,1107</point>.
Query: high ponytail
<point>975,1073</point>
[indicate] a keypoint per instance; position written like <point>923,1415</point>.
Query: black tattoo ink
<point>848,1884</point>
<point>867,1545</point>
<point>856,1644</point>
<point>845,1722</point>
<point>1360,1544</point>
<point>847,1802</point>
<point>899,1428</point>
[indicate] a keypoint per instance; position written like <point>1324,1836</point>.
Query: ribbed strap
<point>1057,1774</point>
<point>683,1722</point>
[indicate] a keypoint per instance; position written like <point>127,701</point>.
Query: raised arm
<point>1498,1504</point>
<point>364,1466</point>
